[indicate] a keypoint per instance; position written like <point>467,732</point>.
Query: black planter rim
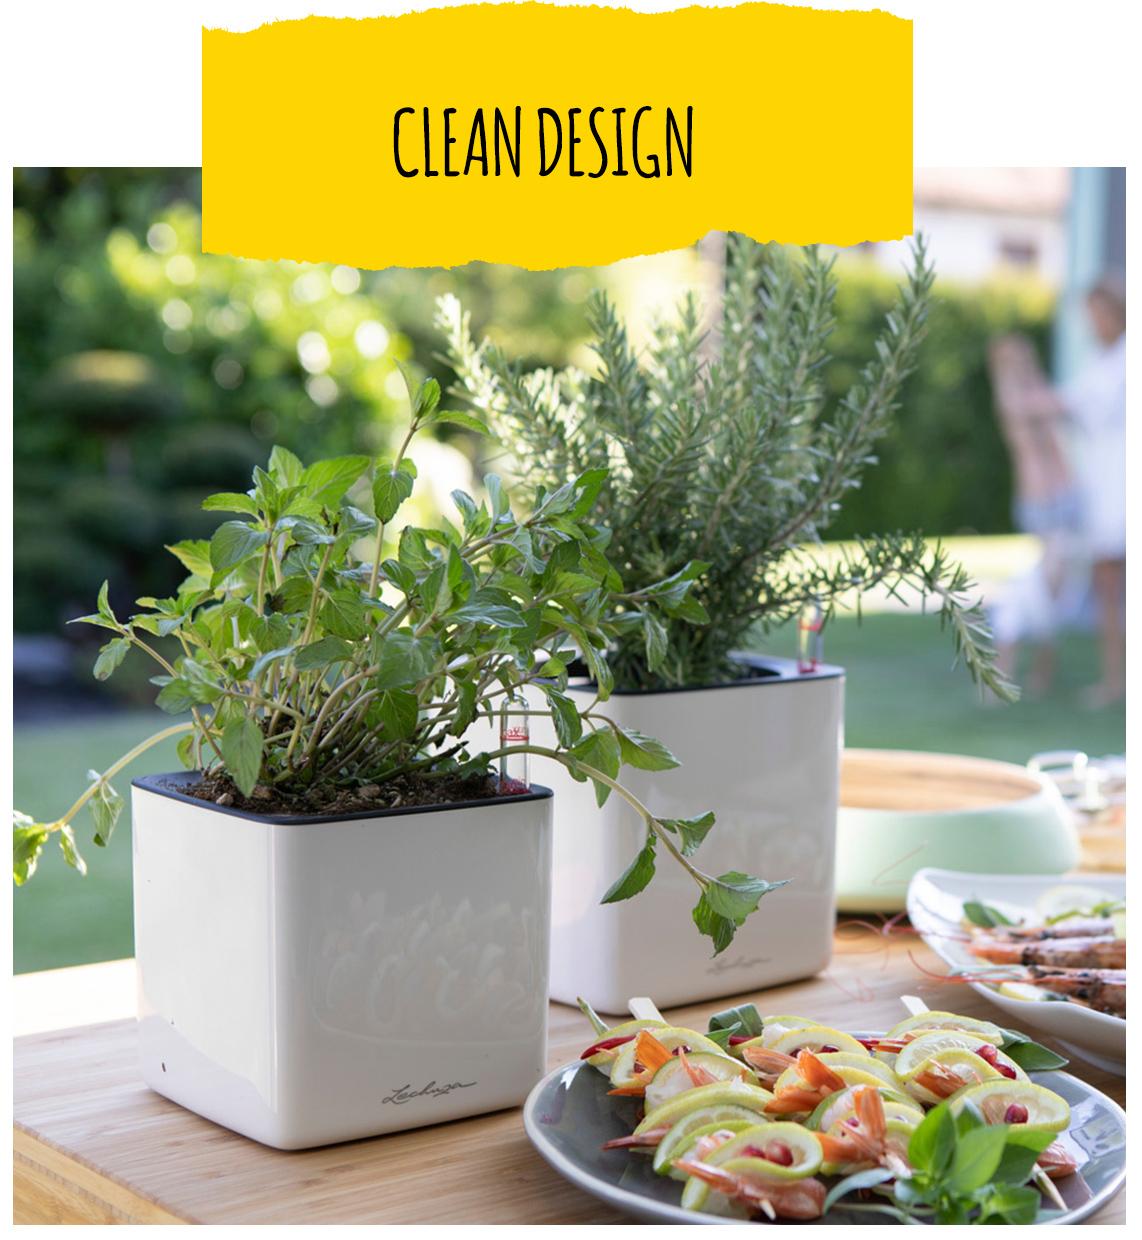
<point>780,672</point>
<point>166,784</point>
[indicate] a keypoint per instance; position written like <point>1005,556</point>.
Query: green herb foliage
<point>964,1171</point>
<point>306,656</point>
<point>731,457</point>
<point>980,914</point>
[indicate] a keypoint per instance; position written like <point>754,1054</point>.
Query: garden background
<point>147,375</point>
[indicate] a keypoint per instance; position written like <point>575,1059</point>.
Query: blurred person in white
<point>1095,403</point>
<point>1068,450</point>
<point>1047,504</point>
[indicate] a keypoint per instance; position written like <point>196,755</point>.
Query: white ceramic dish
<point>569,1115</point>
<point>935,906</point>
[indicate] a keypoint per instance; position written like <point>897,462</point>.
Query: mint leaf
<point>327,481</point>
<point>736,895</point>
<point>233,542</point>
<point>644,752</point>
<point>320,654</point>
<point>110,656</point>
<point>600,750</point>
<point>230,501</point>
<point>391,487</point>
<point>636,876</point>
<point>28,840</point>
<point>242,743</point>
<point>105,805</point>
<point>692,832</point>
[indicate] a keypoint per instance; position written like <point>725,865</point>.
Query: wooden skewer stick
<point>1048,1186</point>
<point>915,1005</point>
<point>642,1008</point>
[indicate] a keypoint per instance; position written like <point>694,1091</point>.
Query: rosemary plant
<point>735,462</point>
<point>307,664</point>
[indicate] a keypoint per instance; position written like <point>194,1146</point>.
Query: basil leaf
<point>933,1141</point>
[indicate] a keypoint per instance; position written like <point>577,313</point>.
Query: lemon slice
<point>673,1079</point>
<point>865,1063</point>
<point>928,1021</point>
<point>932,1045</point>
<point>996,1099</point>
<point>1073,898</point>
<point>772,1027</point>
<point>815,1038</point>
<point>1024,991</point>
<point>719,1094</point>
<point>623,1069</point>
<point>695,1194</point>
<point>966,1064</point>
<point>791,1078</point>
<point>603,1059</point>
<point>842,1105</point>
<point>681,1138</point>
<point>764,1145</point>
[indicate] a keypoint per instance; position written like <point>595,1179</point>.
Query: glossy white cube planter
<point>306,981</point>
<point>764,754</point>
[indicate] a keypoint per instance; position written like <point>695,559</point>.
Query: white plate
<point>935,907</point>
<point>569,1115</point>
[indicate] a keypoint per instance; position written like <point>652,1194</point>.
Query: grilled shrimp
<point>768,1064</point>
<point>1101,952</point>
<point>804,1198</point>
<point>865,1142</point>
<point>819,1082</point>
<point>1086,928</point>
<point>1103,989</point>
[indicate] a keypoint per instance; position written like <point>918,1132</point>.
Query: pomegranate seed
<point>853,1122</point>
<point>1016,1113</point>
<point>677,1049</point>
<point>1004,1070</point>
<point>753,1151</point>
<point>778,1152</point>
<point>736,1039</point>
<point>828,1050</point>
<point>987,1054</point>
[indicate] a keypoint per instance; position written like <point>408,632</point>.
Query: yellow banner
<point>550,137</point>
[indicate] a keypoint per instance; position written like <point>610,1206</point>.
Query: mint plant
<point>312,665</point>
<point>735,462</point>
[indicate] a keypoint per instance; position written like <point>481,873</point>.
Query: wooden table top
<point>93,1144</point>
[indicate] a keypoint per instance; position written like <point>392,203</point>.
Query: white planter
<point>764,754</point>
<point>305,981</point>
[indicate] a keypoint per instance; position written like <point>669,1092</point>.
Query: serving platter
<point>569,1115</point>
<point>935,908</point>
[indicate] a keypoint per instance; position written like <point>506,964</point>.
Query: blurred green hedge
<point>943,468</point>
<point>147,374</point>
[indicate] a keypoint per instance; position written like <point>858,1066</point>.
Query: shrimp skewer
<point>865,1144</point>
<point>1103,989</point>
<point>1104,952</point>
<point>1090,927</point>
<point>801,1199</point>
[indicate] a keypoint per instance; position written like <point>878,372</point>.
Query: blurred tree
<point>148,374</point>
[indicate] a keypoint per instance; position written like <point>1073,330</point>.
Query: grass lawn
<point>901,694</point>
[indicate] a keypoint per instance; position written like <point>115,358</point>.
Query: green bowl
<point>902,811</point>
